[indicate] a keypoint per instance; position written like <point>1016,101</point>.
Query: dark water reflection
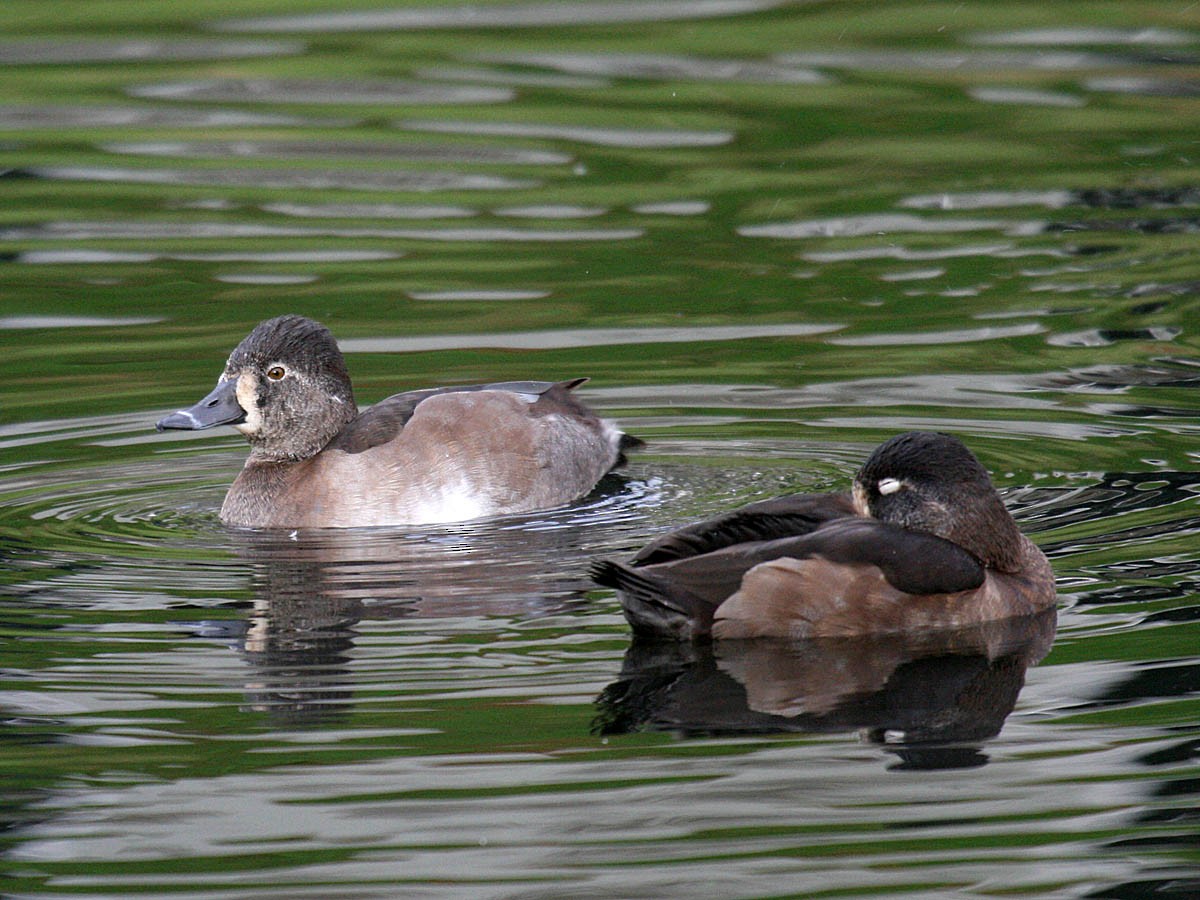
<point>929,698</point>
<point>310,592</point>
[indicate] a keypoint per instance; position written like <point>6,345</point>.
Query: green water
<point>772,234</point>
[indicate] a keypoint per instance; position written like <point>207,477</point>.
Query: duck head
<point>285,387</point>
<point>930,482</point>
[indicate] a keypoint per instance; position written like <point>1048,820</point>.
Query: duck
<point>922,541</point>
<point>437,455</point>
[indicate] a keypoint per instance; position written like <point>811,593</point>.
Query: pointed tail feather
<point>653,607</point>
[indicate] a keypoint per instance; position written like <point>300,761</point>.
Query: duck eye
<point>276,372</point>
<point>888,486</point>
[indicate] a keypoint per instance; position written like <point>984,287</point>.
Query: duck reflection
<point>929,698</point>
<point>312,590</point>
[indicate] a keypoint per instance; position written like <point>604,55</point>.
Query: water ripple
<point>990,200</point>
<point>908,254</point>
<point>312,179</point>
<point>345,149</point>
<point>369,211</point>
<point>1066,37</point>
<point>1025,96</point>
<point>20,322</point>
<point>82,231</point>
<point>351,92</point>
<point>481,294</point>
<point>30,51</point>
<point>107,257</point>
<point>488,75</point>
<point>661,67</point>
<point>1146,87</point>
<point>520,15</point>
<point>582,337</point>
<point>673,208</point>
<point>949,60</point>
<point>551,211</point>
<point>146,534</point>
<point>956,336</point>
<point>18,117</point>
<point>643,138</point>
<point>883,223</point>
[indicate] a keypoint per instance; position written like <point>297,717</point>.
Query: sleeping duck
<point>921,542</point>
<point>438,455</point>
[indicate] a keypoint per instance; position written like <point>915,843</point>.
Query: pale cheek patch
<point>859,494</point>
<point>247,397</point>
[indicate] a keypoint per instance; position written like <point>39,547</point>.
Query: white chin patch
<point>247,397</point>
<point>888,486</point>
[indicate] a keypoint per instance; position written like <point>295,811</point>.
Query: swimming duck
<point>438,455</point>
<point>921,542</point>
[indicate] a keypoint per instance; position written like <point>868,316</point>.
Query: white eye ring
<point>888,486</point>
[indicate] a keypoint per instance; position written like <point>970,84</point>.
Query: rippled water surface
<point>773,234</point>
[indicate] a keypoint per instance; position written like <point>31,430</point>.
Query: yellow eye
<point>275,373</point>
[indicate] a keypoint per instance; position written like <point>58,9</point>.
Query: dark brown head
<point>930,482</point>
<point>285,387</point>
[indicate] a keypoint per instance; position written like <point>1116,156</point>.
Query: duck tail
<point>653,608</point>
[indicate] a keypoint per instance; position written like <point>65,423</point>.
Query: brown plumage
<point>923,542</point>
<point>435,455</point>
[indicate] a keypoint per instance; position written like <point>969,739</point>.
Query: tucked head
<point>930,482</point>
<point>285,387</point>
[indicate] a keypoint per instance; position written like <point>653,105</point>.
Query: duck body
<point>922,543</point>
<point>436,455</point>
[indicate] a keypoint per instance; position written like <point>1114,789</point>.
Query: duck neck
<point>258,488</point>
<point>296,435</point>
<point>992,537</point>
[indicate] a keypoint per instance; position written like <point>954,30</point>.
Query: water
<point>773,234</point>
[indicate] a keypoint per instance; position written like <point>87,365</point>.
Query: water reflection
<point>313,589</point>
<point>931,699</point>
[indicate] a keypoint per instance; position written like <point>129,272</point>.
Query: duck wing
<point>767,520</point>
<point>912,562</point>
<point>385,420</point>
<point>682,598</point>
<point>856,577</point>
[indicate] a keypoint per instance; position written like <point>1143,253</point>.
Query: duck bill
<point>220,407</point>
